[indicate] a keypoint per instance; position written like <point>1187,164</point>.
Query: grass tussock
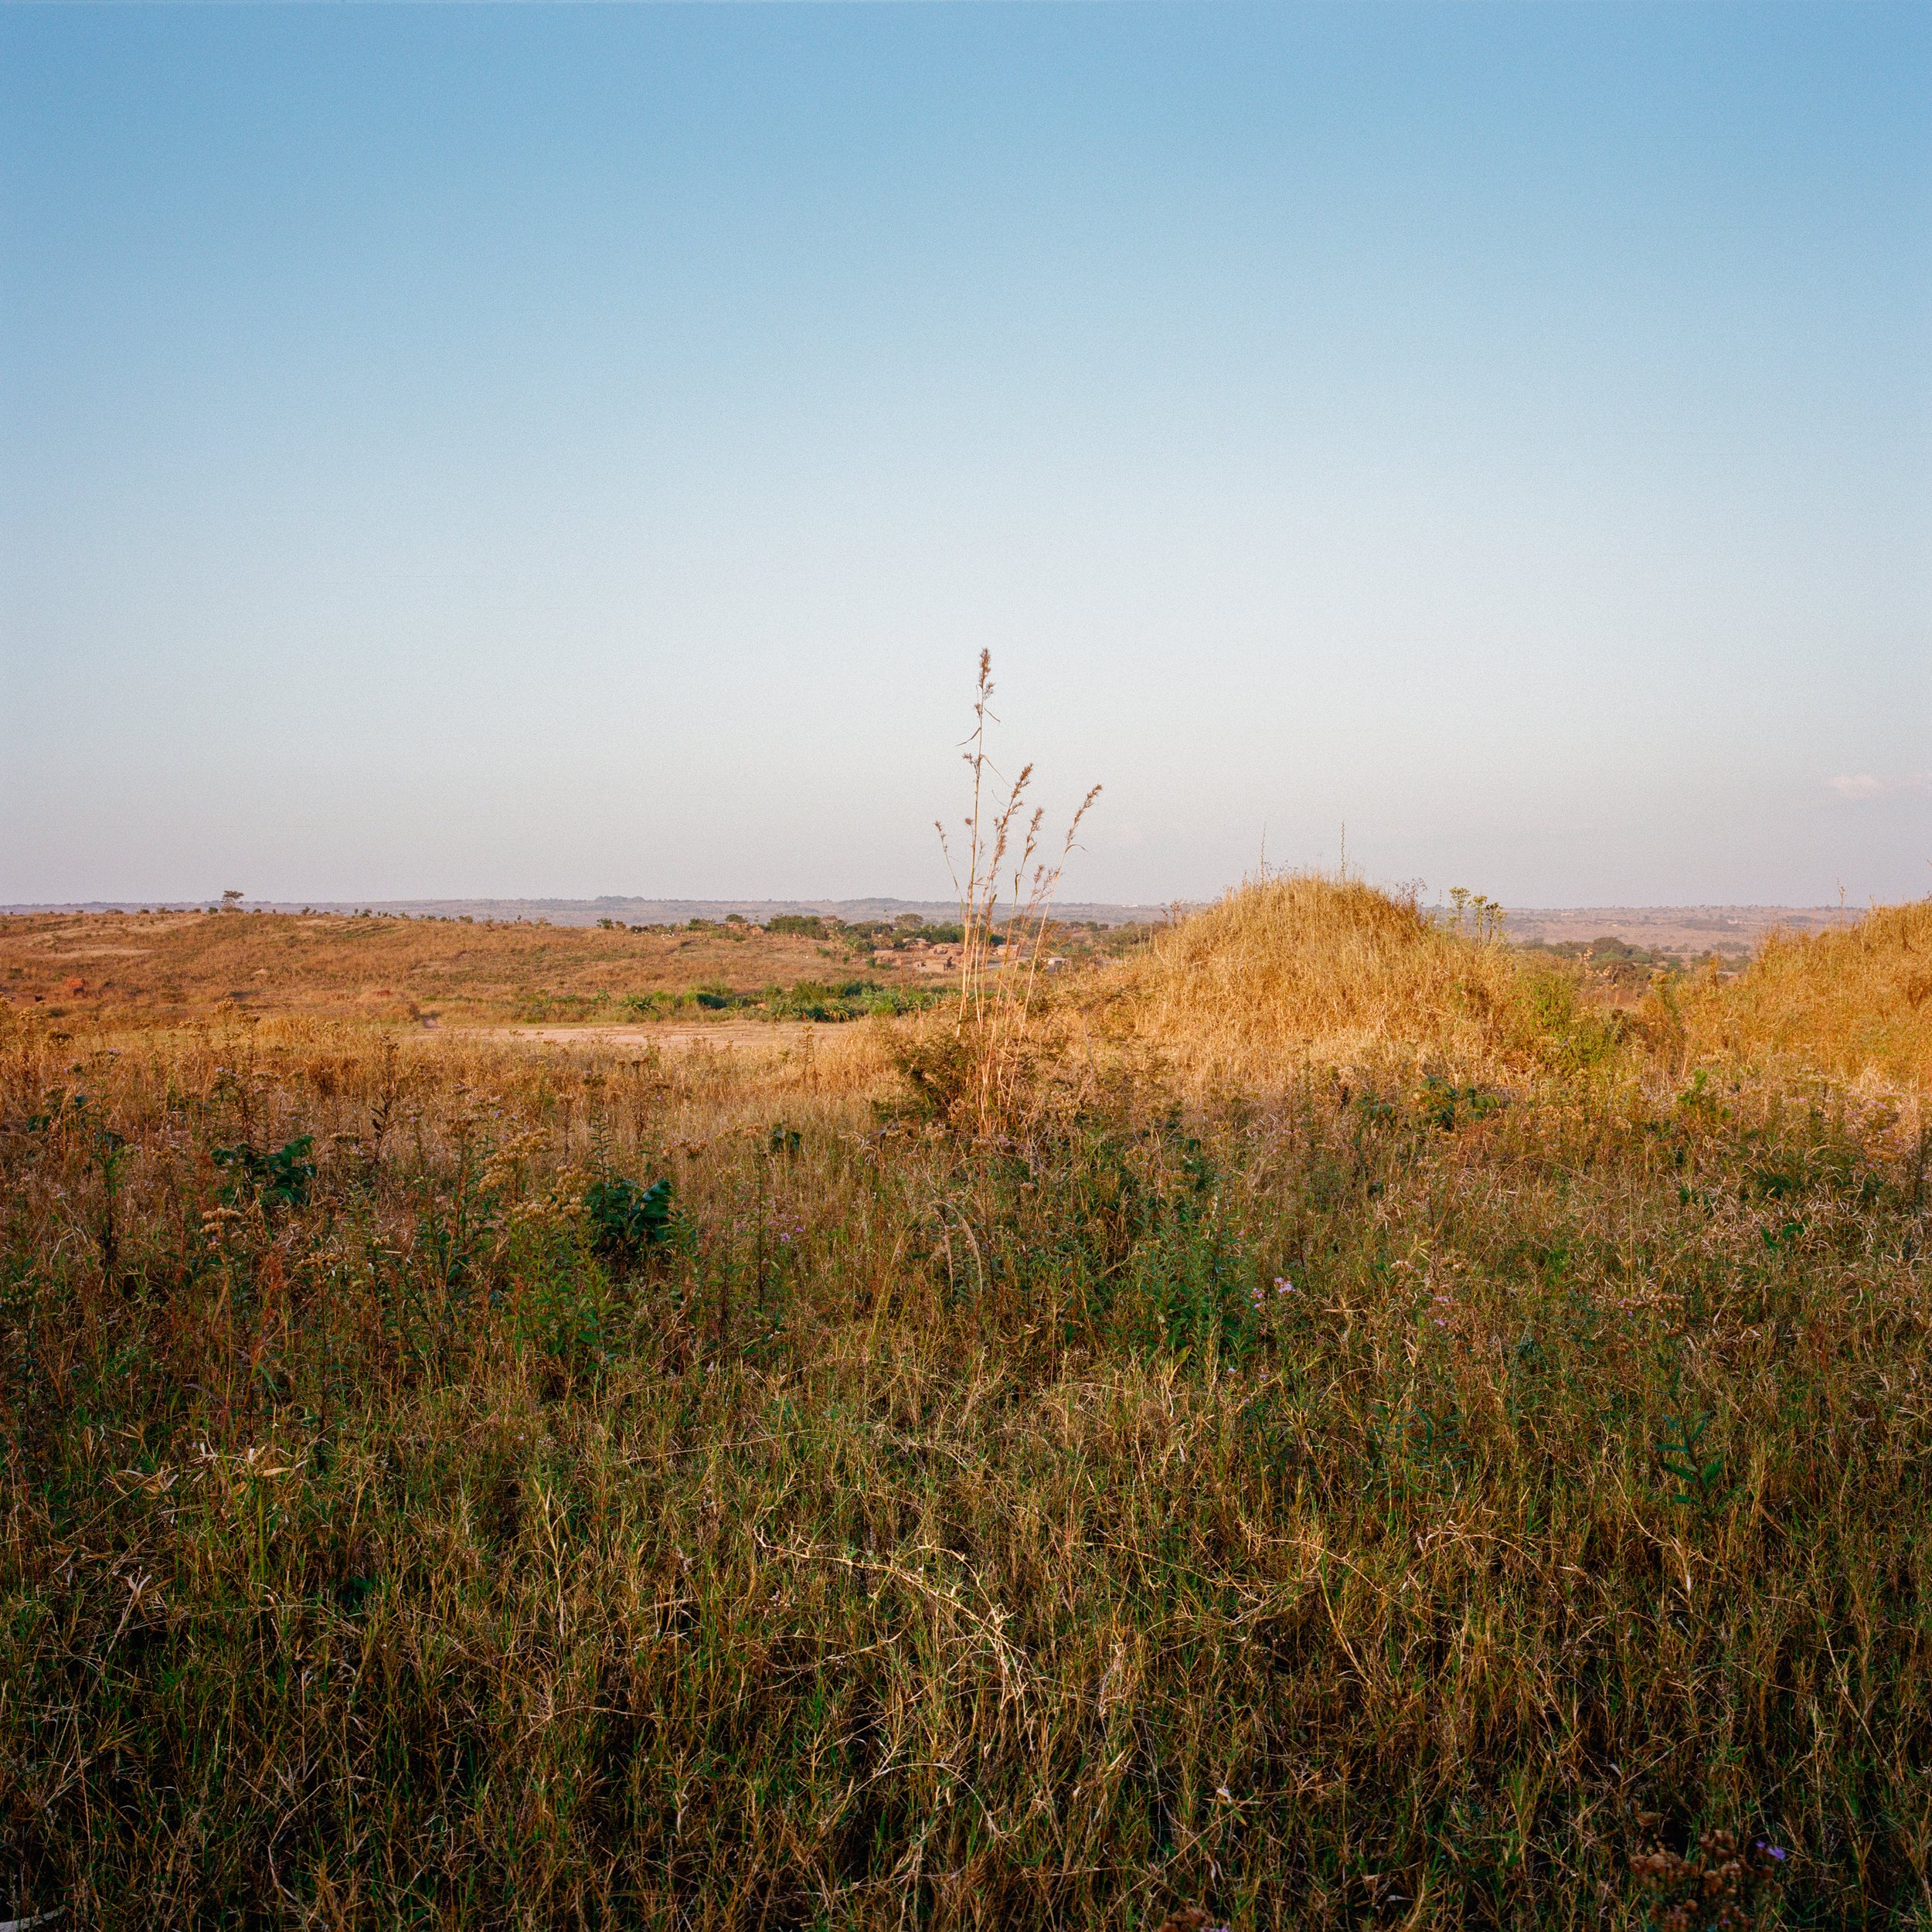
<point>1295,970</point>
<point>1295,967</point>
<point>1854,1005</point>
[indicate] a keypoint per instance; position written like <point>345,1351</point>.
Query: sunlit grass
<point>1381,1464</point>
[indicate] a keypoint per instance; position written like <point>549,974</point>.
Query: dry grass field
<point>176,965</point>
<point>1371,1431</point>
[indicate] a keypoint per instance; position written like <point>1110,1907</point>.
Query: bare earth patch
<point>771,1035</point>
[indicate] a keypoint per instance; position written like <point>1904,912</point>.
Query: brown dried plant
<point>1004,921</point>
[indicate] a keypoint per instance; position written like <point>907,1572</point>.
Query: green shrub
<point>624,1219</point>
<point>280,1178</point>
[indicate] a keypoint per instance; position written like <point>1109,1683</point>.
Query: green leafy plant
<point>281,1178</point>
<point>844,1000</point>
<point>1680,1453</point>
<point>1448,1107</point>
<point>625,1219</point>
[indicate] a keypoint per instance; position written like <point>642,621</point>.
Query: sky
<point>531,450</point>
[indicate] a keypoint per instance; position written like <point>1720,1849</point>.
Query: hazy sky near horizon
<point>528,450</point>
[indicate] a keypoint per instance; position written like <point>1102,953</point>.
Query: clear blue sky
<point>531,450</point>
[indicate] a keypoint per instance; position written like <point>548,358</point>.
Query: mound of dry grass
<point>1302,969</point>
<point>1301,966</point>
<point>1854,1005</point>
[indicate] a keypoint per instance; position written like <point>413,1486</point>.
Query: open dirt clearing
<point>752,1036</point>
<point>158,966</point>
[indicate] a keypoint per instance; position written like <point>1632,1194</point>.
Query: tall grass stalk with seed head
<point>1004,921</point>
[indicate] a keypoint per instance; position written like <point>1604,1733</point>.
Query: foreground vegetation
<point>1381,1442</point>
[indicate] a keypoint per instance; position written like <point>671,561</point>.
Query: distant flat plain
<point>1728,929</point>
<point>1674,928</point>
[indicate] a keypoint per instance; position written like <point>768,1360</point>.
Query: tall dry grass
<point>1290,969</point>
<point>1854,1005</point>
<point>1273,1508</point>
<point>1286,1492</point>
<point>979,1068</point>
